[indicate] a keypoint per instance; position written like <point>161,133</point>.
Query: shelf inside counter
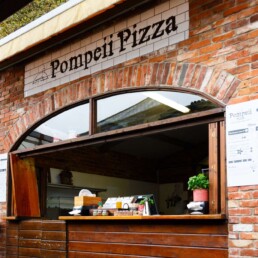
<point>93,190</point>
<point>151,217</point>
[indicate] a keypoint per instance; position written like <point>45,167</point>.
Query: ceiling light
<point>166,101</point>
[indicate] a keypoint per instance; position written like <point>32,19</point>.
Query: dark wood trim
<point>213,168</point>
<point>92,116</point>
<point>126,133</point>
<point>153,217</point>
<point>93,107</point>
<point>222,164</point>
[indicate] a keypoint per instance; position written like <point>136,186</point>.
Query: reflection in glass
<point>69,124</point>
<point>130,109</point>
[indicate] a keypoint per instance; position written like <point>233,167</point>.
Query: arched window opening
<point>169,140</point>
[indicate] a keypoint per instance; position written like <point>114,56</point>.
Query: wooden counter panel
<point>36,238</point>
<point>118,239</point>
<point>150,238</point>
<point>145,250</point>
<point>219,228</point>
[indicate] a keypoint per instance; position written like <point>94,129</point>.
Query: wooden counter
<point>153,217</point>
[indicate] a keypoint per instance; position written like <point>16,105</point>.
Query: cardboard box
<point>86,200</point>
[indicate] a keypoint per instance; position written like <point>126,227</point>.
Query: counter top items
<point>198,208</point>
<point>118,202</point>
<point>86,192</point>
<point>84,203</point>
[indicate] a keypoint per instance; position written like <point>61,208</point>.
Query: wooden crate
<point>86,200</point>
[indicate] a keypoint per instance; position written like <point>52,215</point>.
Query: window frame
<point>215,116</point>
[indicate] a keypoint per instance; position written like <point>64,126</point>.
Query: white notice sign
<point>3,168</point>
<point>242,143</point>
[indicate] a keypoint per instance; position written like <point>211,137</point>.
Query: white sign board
<point>3,168</point>
<point>159,27</point>
<point>242,143</point>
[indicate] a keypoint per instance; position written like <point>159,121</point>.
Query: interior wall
<point>115,186</point>
<point>173,198</point>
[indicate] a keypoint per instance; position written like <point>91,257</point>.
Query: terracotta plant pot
<point>200,195</point>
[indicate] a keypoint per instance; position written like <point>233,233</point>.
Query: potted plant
<point>199,184</point>
<point>144,205</point>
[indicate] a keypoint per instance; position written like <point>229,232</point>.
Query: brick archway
<point>215,84</point>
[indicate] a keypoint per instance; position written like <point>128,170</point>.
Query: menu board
<point>242,143</point>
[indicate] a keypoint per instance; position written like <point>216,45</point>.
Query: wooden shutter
<point>213,168</point>
<point>25,187</point>
<point>222,157</point>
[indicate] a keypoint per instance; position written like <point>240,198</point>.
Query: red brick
<point>235,25</point>
<point>235,9</point>
<point>248,235</point>
<point>237,55</point>
<point>157,59</point>
<point>239,195</point>
<point>211,48</point>
<point>240,69</point>
<point>254,18</point>
<point>233,189</point>
<point>248,187</point>
<point>244,60</point>
<point>233,220</point>
<point>252,34</point>
<point>249,220</point>
<point>249,203</point>
<point>200,44</point>
<point>189,75</point>
<point>223,37</point>
<point>200,59</point>
<point>248,75</point>
<point>239,211</point>
<point>171,73</point>
<point>254,65</point>
<point>234,252</point>
<point>248,12</point>
<point>188,42</point>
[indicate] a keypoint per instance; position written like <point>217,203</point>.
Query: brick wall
<point>220,56</point>
<point>243,221</point>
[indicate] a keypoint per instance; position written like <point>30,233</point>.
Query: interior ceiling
<point>171,148</point>
<point>9,7</point>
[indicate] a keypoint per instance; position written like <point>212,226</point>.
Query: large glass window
<point>69,124</point>
<point>130,109</point>
<point>158,161</point>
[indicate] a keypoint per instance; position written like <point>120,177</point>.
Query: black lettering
<point>124,36</point>
<point>144,33</point>
<point>64,66</point>
<point>97,53</point>
<point>134,36</point>
<point>54,64</point>
<point>171,24</point>
<point>157,33</point>
<point>88,59</point>
<point>74,60</point>
<point>110,44</point>
<point>104,49</point>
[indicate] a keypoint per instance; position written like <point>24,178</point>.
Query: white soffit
<point>53,23</point>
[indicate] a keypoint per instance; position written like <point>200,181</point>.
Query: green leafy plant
<point>199,181</point>
<point>147,199</point>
